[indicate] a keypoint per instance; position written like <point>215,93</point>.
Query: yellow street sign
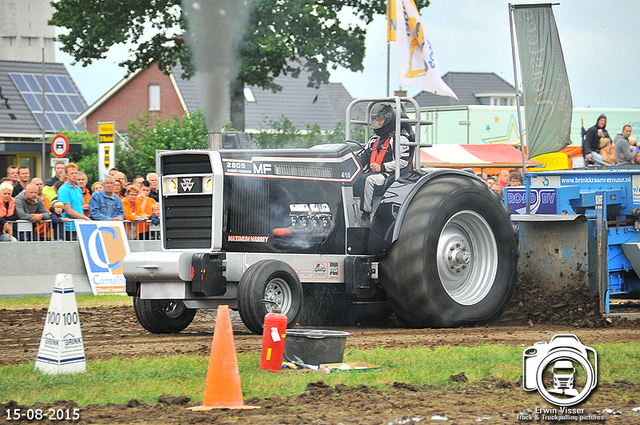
<point>106,131</point>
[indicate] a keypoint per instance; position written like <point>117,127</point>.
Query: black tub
<point>315,347</point>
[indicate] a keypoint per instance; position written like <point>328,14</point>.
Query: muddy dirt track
<point>525,322</point>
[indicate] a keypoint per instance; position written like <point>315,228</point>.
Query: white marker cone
<point>61,347</point>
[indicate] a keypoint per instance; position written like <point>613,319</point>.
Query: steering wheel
<point>353,142</point>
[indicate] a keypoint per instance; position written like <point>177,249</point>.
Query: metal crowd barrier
<point>27,231</point>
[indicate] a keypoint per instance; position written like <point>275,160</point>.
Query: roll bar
<point>400,108</point>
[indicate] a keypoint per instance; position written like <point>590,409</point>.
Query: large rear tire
<point>269,286</point>
<point>163,316</point>
<point>455,260</point>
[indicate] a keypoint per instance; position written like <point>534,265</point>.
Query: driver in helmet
<point>377,159</point>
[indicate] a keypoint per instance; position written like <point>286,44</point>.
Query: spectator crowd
<point>599,149</point>
<point>498,182</point>
<point>53,207</point>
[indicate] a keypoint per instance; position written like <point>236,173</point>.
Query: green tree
<point>137,156</point>
<point>283,36</point>
<point>278,134</point>
<point>338,135</point>
<point>146,136</point>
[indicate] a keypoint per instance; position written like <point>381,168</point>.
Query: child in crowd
<point>155,220</point>
<point>155,214</point>
<point>607,151</point>
<point>515,179</point>
<point>57,220</point>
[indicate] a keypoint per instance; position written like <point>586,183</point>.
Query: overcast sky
<point>600,42</point>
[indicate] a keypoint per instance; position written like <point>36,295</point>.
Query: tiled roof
<point>302,105</point>
<point>16,119</point>
<point>466,85</point>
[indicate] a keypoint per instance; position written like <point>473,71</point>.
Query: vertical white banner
<point>417,62</point>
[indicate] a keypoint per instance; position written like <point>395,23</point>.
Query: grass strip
<point>120,380</point>
<point>83,301</point>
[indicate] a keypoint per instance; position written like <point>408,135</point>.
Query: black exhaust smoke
<point>214,32</point>
<point>215,141</point>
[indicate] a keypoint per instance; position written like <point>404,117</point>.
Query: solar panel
<point>66,102</point>
<point>20,83</point>
<point>33,102</point>
<point>66,84</point>
<point>62,103</point>
<point>55,85</point>
<point>34,85</point>
<point>53,100</point>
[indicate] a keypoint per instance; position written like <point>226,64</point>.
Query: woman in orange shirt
<point>132,211</point>
<point>144,205</point>
<point>117,189</point>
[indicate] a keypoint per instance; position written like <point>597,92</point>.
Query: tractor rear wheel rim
<point>467,257</point>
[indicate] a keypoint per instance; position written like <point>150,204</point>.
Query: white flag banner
<point>417,63</point>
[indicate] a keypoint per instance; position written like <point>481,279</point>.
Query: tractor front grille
<point>192,163</point>
<point>188,221</point>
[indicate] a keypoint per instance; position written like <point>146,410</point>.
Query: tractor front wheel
<point>163,316</point>
<point>269,286</point>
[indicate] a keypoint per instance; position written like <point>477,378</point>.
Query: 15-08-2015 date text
<point>17,414</point>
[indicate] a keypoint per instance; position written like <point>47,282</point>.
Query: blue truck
<point>581,225</point>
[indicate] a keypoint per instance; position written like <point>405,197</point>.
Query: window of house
<point>154,97</point>
<point>248,95</point>
<point>501,101</point>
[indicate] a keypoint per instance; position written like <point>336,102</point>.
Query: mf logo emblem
<point>187,185</point>
<point>190,185</point>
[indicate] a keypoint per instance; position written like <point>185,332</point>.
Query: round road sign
<point>60,146</point>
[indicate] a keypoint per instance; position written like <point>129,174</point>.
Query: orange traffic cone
<point>222,389</point>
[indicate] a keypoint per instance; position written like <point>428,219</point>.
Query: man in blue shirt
<point>70,195</point>
<point>106,205</point>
